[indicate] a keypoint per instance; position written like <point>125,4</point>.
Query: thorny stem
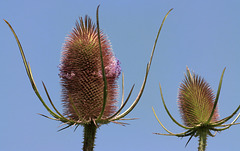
<point>90,131</point>
<point>202,142</point>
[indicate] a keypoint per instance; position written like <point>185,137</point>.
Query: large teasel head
<point>89,72</point>
<point>81,73</point>
<point>198,107</point>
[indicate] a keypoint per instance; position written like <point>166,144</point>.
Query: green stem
<point>202,140</point>
<point>89,136</point>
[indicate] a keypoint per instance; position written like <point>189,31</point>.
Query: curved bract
<point>198,107</point>
<point>103,115</point>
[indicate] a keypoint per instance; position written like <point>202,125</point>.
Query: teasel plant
<point>89,72</point>
<point>198,107</point>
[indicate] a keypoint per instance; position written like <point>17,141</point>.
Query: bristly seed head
<point>81,73</point>
<point>196,100</point>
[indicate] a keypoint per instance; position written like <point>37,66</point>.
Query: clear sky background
<point>205,36</point>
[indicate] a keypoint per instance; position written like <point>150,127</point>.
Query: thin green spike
<point>160,122</point>
<point>136,101</point>
<point>217,96</point>
<point>48,117</point>
<point>103,69</point>
<point>189,139</point>
<point>183,134</point>
<point>65,127</point>
<point>146,75</point>
<point>122,106</point>
<point>122,89</point>
<point>29,73</point>
<point>76,127</point>
<point>50,100</point>
<point>229,117</point>
<point>169,114</point>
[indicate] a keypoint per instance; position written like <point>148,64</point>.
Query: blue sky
<point>201,35</point>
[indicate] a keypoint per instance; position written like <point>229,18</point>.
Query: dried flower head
<point>81,73</point>
<point>198,107</point>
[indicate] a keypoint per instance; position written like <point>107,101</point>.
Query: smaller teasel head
<point>198,107</point>
<point>196,100</point>
<point>81,73</point>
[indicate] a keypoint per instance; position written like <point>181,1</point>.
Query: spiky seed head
<point>196,100</point>
<point>81,73</point>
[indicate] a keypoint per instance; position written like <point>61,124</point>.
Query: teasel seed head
<point>198,106</point>
<point>81,73</point>
<point>196,100</point>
